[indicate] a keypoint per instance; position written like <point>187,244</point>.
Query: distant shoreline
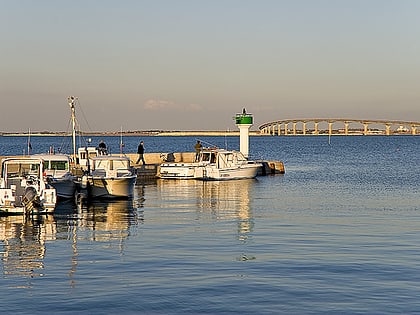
<point>130,133</point>
<point>158,133</point>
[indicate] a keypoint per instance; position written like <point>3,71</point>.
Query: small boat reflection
<point>24,238</point>
<point>24,246</point>
<point>97,221</point>
<point>112,219</point>
<point>100,220</point>
<point>223,200</point>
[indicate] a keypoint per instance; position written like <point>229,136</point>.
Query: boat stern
<point>7,197</point>
<point>49,198</point>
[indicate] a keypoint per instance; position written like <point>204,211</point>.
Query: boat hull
<point>13,204</point>
<point>213,173</point>
<point>6,211</point>
<point>207,171</point>
<point>65,187</point>
<point>177,170</point>
<point>111,187</point>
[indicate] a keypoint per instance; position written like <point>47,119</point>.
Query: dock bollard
<point>280,167</point>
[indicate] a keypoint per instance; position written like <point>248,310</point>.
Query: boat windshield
<point>240,157</point>
<point>205,156</point>
<point>111,164</point>
<point>120,164</point>
<point>56,165</point>
<point>22,169</point>
<point>208,157</point>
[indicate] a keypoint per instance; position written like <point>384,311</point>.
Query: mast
<point>121,142</point>
<point>72,100</point>
<point>29,142</point>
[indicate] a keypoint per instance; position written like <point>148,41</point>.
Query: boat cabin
<point>24,169</point>
<point>22,183</point>
<point>85,156</point>
<point>223,158</point>
<point>55,165</point>
<point>111,166</point>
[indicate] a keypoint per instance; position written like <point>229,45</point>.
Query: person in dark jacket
<point>102,148</point>
<point>140,152</point>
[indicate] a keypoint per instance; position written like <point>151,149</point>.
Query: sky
<point>194,64</point>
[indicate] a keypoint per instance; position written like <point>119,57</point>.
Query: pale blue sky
<point>191,64</point>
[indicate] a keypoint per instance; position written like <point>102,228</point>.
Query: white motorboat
<point>23,188</point>
<point>111,177</point>
<point>57,173</point>
<point>213,164</point>
<point>224,164</point>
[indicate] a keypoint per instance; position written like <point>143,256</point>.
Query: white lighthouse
<point>244,122</point>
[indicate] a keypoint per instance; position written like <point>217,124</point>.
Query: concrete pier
<point>153,160</point>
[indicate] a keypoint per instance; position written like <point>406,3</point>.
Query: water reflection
<point>139,195</point>
<point>23,241</point>
<point>24,238</point>
<point>98,220</point>
<point>223,200</point>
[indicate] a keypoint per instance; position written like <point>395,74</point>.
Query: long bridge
<point>342,126</point>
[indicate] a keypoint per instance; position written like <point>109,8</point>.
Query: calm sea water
<point>339,233</point>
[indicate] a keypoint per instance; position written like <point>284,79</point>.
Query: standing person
<point>140,152</point>
<point>197,147</point>
<point>102,148</point>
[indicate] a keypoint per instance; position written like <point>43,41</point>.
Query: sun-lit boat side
<point>213,164</point>
<point>57,173</point>
<point>178,170</point>
<point>111,177</point>
<point>220,164</point>
<point>23,188</point>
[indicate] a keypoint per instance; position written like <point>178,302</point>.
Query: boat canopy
<point>18,168</point>
<point>111,164</point>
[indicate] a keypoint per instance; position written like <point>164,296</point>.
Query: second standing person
<point>140,152</point>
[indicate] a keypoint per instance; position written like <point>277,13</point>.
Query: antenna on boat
<point>71,100</point>
<point>121,142</point>
<point>226,145</point>
<point>29,142</point>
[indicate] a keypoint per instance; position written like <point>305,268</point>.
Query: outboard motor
<point>84,182</point>
<point>30,199</point>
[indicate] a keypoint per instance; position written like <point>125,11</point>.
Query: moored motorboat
<point>111,177</point>
<point>213,164</point>
<point>57,174</point>
<point>23,188</point>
